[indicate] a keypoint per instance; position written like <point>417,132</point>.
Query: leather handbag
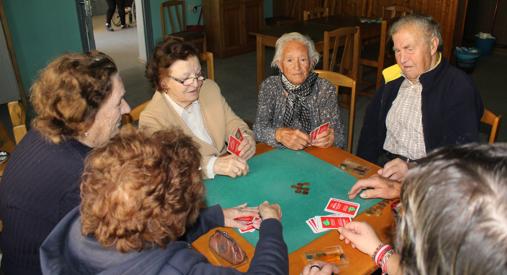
<point>225,247</point>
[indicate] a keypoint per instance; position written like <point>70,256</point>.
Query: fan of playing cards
<point>343,213</point>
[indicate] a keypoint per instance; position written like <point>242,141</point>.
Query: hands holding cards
<point>361,235</point>
<point>322,136</point>
<point>248,219</point>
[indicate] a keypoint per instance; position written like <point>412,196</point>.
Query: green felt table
<point>270,178</point>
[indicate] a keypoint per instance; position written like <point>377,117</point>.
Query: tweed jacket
<point>218,118</point>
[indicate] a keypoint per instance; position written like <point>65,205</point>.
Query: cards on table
<point>354,168</point>
<point>234,142</point>
<point>342,207</point>
<point>342,213</point>
<point>317,131</point>
<point>331,254</point>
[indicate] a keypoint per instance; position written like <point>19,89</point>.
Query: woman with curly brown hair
<point>140,210</point>
<point>185,100</point>
<point>79,101</point>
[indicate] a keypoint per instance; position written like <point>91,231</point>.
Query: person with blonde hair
<point>453,216</point>
<point>142,198</point>
<point>296,101</point>
<point>78,100</point>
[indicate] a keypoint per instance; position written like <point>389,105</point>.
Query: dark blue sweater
<point>40,185</point>
<point>451,111</point>
<point>66,251</point>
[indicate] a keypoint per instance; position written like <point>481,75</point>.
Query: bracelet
<point>386,257</point>
<point>376,251</point>
<point>381,253</point>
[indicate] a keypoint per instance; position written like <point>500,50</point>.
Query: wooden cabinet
<point>228,24</point>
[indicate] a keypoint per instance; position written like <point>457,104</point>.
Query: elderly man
<point>425,102</point>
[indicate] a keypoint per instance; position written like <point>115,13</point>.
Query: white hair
<point>295,36</point>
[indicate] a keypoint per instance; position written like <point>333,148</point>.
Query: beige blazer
<point>218,118</point>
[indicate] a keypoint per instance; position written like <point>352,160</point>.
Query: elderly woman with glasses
<point>296,101</point>
<point>185,100</point>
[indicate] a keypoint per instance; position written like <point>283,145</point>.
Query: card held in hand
<point>233,146</point>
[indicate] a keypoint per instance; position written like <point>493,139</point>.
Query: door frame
<point>88,43</point>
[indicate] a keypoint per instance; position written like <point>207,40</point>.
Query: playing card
<point>238,135</point>
<point>342,207</point>
<point>317,131</point>
<point>332,222</point>
<point>248,228</point>
<point>352,167</point>
<point>233,146</point>
<point>244,218</point>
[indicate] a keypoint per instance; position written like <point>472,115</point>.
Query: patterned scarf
<point>294,109</point>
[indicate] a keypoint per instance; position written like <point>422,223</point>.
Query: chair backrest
<point>493,120</point>
<point>135,113</point>
<point>175,10</point>
<point>315,13</point>
<point>18,120</point>
<point>340,80</point>
<point>347,39</point>
<point>379,62</point>
<point>389,12</point>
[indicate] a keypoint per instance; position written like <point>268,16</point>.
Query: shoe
<point>124,26</point>
<point>109,28</point>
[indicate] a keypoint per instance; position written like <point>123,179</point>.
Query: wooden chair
<point>135,113</point>
<point>286,20</point>
<point>347,40</point>
<point>389,12</point>
<point>493,120</point>
<point>315,13</point>
<point>374,55</point>
<point>178,28</point>
<point>340,80</point>
<point>18,120</point>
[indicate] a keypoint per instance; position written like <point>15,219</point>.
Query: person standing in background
<point>111,5</point>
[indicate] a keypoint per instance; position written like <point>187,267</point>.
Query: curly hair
<point>141,190</point>
<point>68,93</point>
<point>454,205</point>
<point>165,54</point>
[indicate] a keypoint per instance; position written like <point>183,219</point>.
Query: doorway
<point>126,46</point>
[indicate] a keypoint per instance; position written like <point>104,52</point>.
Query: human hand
<point>376,187</point>
<point>292,138</point>
<point>247,147</point>
<point>230,165</point>
<point>320,268</point>
<point>361,235</point>
<point>267,211</point>
<point>324,139</point>
<point>395,169</point>
<point>239,211</point>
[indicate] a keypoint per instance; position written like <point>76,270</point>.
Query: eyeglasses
<point>189,81</point>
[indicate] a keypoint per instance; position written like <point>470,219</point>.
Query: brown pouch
<point>226,248</point>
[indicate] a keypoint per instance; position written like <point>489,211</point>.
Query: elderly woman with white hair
<point>296,101</point>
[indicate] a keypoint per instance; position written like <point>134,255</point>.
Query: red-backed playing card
<point>342,207</point>
<point>332,222</point>
<point>233,146</point>
<point>319,130</point>
<point>248,228</point>
<point>238,135</point>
